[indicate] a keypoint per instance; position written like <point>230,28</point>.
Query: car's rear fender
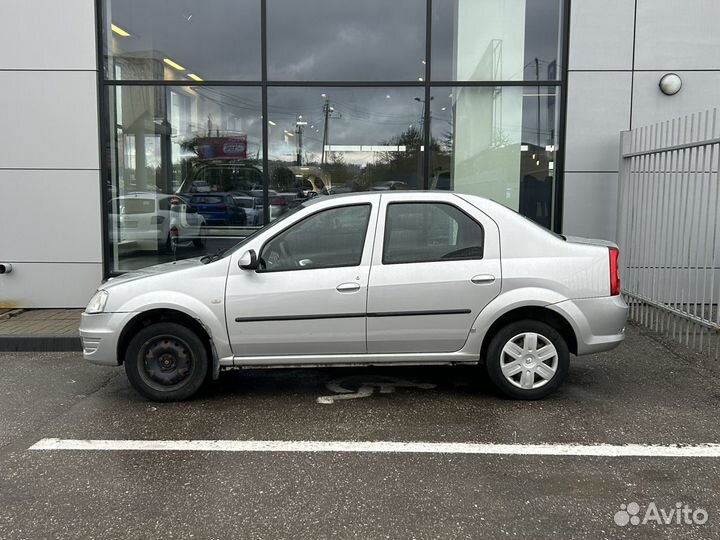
<point>503,304</point>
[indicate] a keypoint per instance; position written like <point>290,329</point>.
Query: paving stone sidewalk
<point>40,330</point>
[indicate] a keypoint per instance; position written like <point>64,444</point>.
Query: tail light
<point>278,201</point>
<point>614,276</point>
<point>221,207</point>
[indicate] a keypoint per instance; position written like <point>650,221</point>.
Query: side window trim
<point>383,259</point>
<point>362,250</point>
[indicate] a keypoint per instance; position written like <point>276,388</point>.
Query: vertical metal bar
<point>682,137</point>
<point>652,224</point>
<point>709,221</point>
<point>647,183</point>
<point>639,231</point>
<point>692,177</point>
<point>699,176</point>
<point>265,129</point>
<point>675,128</point>
<point>658,268</point>
<point>428,98</point>
<point>637,213</point>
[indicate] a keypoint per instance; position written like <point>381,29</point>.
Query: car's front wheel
<point>166,361</point>
<point>527,359</point>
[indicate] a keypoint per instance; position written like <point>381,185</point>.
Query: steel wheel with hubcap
<point>166,362</point>
<point>527,359</point>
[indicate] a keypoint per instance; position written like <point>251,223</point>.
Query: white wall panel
<point>590,207</point>
<point>49,119</point>
<point>700,91</point>
<point>47,34</point>
<point>677,34</point>
<point>601,34</point>
<point>598,110</point>
<point>49,285</point>
<point>50,216</point>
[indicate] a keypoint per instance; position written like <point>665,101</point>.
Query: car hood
<point>158,269</point>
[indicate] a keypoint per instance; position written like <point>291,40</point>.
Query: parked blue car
<point>219,209</point>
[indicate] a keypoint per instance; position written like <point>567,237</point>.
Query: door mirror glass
<point>248,260</point>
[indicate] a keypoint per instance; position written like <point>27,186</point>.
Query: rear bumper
<point>99,334</point>
<point>599,323</point>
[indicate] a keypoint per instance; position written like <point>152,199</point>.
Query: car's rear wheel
<point>527,359</point>
<point>171,242</point>
<point>201,239</point>
<point>166,362</point>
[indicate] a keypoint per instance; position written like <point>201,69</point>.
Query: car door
<point>309,296</point>
<point>436,265</point>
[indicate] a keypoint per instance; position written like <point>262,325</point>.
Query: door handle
<point>348,287</point>
<point>482,278</point>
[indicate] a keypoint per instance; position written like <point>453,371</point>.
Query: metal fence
<point>668,228</point>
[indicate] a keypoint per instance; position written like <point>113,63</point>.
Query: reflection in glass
<point>186,171</point>
<point>334,40</point>
<point>497,142</point>
<point>325,141</point>
<point>182,40</point>
<point>495,40</point>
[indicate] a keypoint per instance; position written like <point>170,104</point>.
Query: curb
<point>40,344</point>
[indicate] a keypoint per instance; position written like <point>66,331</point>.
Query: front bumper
<point>99,333</point>
<point>599,323</point>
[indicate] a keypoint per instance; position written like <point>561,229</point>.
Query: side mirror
<point>248,260</point>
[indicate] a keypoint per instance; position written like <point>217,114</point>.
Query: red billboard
<point>234,147</point>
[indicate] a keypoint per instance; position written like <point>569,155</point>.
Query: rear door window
<point>428,232</point>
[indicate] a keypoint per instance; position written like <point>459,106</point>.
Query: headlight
<point>97,302</point>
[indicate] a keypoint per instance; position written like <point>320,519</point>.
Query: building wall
<point>50,213</point>
<point>619,50</point>
<point>50,221</point>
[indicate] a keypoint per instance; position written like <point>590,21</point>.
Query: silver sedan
<point>377,278</point>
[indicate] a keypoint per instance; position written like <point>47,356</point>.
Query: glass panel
<point>186,176</point>
<point>338,140</point>
<point>328,239</point>
<point>182,40</point>
<point>427,232</point>
<point>497,142</point>
<point>495,40</point>
<point>333,40</point>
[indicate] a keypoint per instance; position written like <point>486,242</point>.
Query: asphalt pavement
<point>647,392</point>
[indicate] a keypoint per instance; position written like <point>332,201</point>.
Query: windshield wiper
<point>213,257</point>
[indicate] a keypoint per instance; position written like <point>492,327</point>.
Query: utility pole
<point>329,113</point>
<point>299,129</point>
<point>326,112</point>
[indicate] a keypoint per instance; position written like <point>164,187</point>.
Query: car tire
<point>201,239</point>
<point>527,359</point>
<point>166,361</point>
<point>171,240</point>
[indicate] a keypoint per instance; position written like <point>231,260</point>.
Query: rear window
<point>206,199</point>
<point>137,206</point>
<point>244,202</point>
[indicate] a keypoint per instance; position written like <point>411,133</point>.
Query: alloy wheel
<point>529,360</point>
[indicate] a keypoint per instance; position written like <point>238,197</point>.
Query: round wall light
<point>670,84</point>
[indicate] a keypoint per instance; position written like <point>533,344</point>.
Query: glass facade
<point>222,116</point>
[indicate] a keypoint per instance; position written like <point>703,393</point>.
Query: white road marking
<point>593,450</point>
